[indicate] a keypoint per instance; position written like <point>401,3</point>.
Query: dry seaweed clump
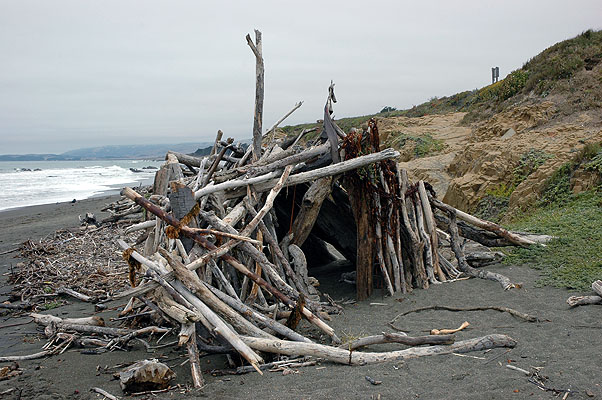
<point>77,259</point>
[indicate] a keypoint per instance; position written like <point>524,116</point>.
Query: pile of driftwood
<point>225,241</point>
<point>73,262</point>
<point>221,252</point>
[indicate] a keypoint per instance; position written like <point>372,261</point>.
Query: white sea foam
<point>59,181</point>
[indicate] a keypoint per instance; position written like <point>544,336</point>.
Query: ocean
<point>29,183</point>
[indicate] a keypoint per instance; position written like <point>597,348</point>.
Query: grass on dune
<point>574,259</point>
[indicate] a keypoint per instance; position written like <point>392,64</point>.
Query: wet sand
<point>566,345</point>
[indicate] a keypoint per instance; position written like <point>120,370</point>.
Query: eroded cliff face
<point>483,158</point>
<point>498,145</point>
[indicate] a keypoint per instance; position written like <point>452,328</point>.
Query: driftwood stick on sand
<point>574,301</point>
<point>597,287</point>
<point>290,363</point>
<point>464,325</point>
<point>47,319</point>
<point>104,393</point>
<point>27,357</point>
<point>76,295</point>
<point>122,340</point>
<point>398,338</point>
<point>518,314</point>
<point>342,356</point>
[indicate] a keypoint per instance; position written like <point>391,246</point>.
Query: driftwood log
<point>347,357</point>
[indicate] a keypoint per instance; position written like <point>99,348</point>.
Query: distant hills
<point>146,151</point>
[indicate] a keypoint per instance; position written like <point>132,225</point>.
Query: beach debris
<point>512,367</point>
<point>104,393</point>
<point>401,338</point>
<point>10,371</point>
<point>373,381</point>
<point>145,375</point>
<point>88,219</point>
<point>60,264</point>
<point>464,325</point>
<point>511,311</point>
<point>575,301</point>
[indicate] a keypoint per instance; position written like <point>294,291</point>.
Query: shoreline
<point>109,193</point>
<point>560,344</point>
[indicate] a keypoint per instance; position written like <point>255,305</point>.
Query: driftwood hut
<point>222,246</point>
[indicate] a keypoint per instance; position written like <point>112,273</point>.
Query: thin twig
<point>511,311</point>
<point>104,393</point>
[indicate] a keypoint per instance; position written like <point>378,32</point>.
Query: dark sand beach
<point>565,345</point>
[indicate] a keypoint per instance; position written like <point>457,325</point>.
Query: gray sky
<point>87,73</point>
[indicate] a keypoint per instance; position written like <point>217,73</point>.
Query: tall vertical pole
<point>259,88</point>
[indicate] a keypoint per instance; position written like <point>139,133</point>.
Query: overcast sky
<point>87,73</point>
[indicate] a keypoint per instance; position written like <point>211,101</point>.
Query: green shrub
<point>558,186</point>
<point>424,145</point>
<point>492,207</point>
<point>513,84</point>
<point>529,163</point>
<point>593,153</point>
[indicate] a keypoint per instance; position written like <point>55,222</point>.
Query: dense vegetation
<point>573,260</point>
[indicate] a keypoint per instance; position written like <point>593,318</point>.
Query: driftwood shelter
<point>226,244</point>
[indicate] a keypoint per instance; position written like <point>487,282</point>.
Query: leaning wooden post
<point>259,87</point>
<point>359,198</point>
<point>310,209</point>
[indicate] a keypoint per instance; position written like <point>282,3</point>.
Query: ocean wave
<point>22,187</point>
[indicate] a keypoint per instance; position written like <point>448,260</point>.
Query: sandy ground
<point>566,346</point>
